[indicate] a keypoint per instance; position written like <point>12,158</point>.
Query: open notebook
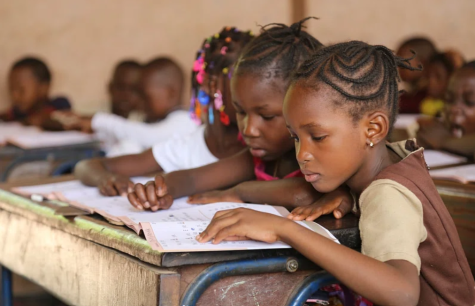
<point>171,230</point>
<point>49,139</point>
<point>12,129</point>
<point>440,158</point>
<point>463,174</point>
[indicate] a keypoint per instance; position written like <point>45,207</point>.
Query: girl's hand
<point>243,224</point>
<point>228,195</point>
<point>115,185</point>
<point>338,202</point>
<point>153,196</point>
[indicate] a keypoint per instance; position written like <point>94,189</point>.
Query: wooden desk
<point>460,201</point>
<point>87,261</point>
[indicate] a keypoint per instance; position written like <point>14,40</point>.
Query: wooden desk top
<point>121,238</point>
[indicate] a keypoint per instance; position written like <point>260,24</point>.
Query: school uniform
<point>404,218</point>
<point>184,152</point>
<point>112,129</point>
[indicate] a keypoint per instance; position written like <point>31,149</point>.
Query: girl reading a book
<point>339,109</point>
<point>258,86</point>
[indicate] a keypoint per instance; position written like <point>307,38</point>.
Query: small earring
<point>371,144</point>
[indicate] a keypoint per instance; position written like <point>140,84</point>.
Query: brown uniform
<point>404,218</point>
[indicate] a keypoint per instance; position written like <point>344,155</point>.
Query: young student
<point>29,87</point>
<point>162,83</point>
<point>258,86</point>
<point>415,82</point>
<point>124,91</point>
<point>457,132</point>
<point>438,74</point>
<point>339,109</point>
<point>216,139</point>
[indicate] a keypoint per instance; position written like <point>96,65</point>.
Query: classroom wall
<point>448,23</point>
<point>81,40</point>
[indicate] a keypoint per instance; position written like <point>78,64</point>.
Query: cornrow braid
<point>365,75</point>
<point>278,50</point>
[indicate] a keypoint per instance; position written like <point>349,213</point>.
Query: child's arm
<point>291,192</point>
<point>395,282</point>
<point>112,175</point>
<point>160,193</point>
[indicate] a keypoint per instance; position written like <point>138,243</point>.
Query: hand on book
<point>228,195</point>
<point>151,196</point>
<point>339,202</point>
<point>243,224</point>
<point>115,185</point>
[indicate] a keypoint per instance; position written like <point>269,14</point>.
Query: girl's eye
<point>240,112</point>
<point>267,117</point>
<point>469,103</point>
<point>318,138</point>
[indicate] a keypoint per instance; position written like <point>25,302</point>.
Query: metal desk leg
<point>7,292</point>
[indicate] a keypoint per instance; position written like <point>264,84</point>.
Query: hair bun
<point>297,27</point>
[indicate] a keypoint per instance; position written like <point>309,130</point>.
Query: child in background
<point>212,141</point>
<point>162,83</point>
<point>438,74</point>
<point>29,84</point>
<point>124,91</point>
<point>456,133</point>
<point>258,86</point>
<point>415,81</point>
<point>340,107</point>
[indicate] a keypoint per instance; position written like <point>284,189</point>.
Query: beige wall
<point>448,23</point>
<point>81,40</point>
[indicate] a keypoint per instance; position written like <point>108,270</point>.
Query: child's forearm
<point>384,283</point>
<point>290,193</point>
<point>222,174</point>
<point>93,171</point>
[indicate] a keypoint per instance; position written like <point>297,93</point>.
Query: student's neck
<point>379,158</point>
<point>222,140</point>
<point>282,166</point>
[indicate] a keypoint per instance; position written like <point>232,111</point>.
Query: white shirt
<point>109,126</point>
<point>184,152</point>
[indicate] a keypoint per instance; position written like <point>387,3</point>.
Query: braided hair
<point>216,56</point>
<point>278,50</point>
<point>366,76</point>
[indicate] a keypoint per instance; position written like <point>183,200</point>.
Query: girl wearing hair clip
<point>266,171</point>
<point>210,104</point>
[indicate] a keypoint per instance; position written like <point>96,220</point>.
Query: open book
<point>49,139</point>
<point>171,230</point>
<point>13,129</point>
<point>440,158</point>
<point>463,174</point>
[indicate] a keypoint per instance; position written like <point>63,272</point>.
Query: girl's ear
<point>377,127</point>
<point>44,89</point>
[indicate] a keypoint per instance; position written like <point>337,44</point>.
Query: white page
<point>435,158</point>
<point>49,139</point>
<point>9,129</point>
<point>404,121</point>
<point>180,236</point>
<point>464,173</point>
<point>70,190</point>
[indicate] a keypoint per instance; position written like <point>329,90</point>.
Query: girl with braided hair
<point>215,139</point>
<point>339,108</point>
<point>265,172</point>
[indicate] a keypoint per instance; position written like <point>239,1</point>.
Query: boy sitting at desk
<point>162,83</point>
<point>29,83</point>
<point>124,91</point>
